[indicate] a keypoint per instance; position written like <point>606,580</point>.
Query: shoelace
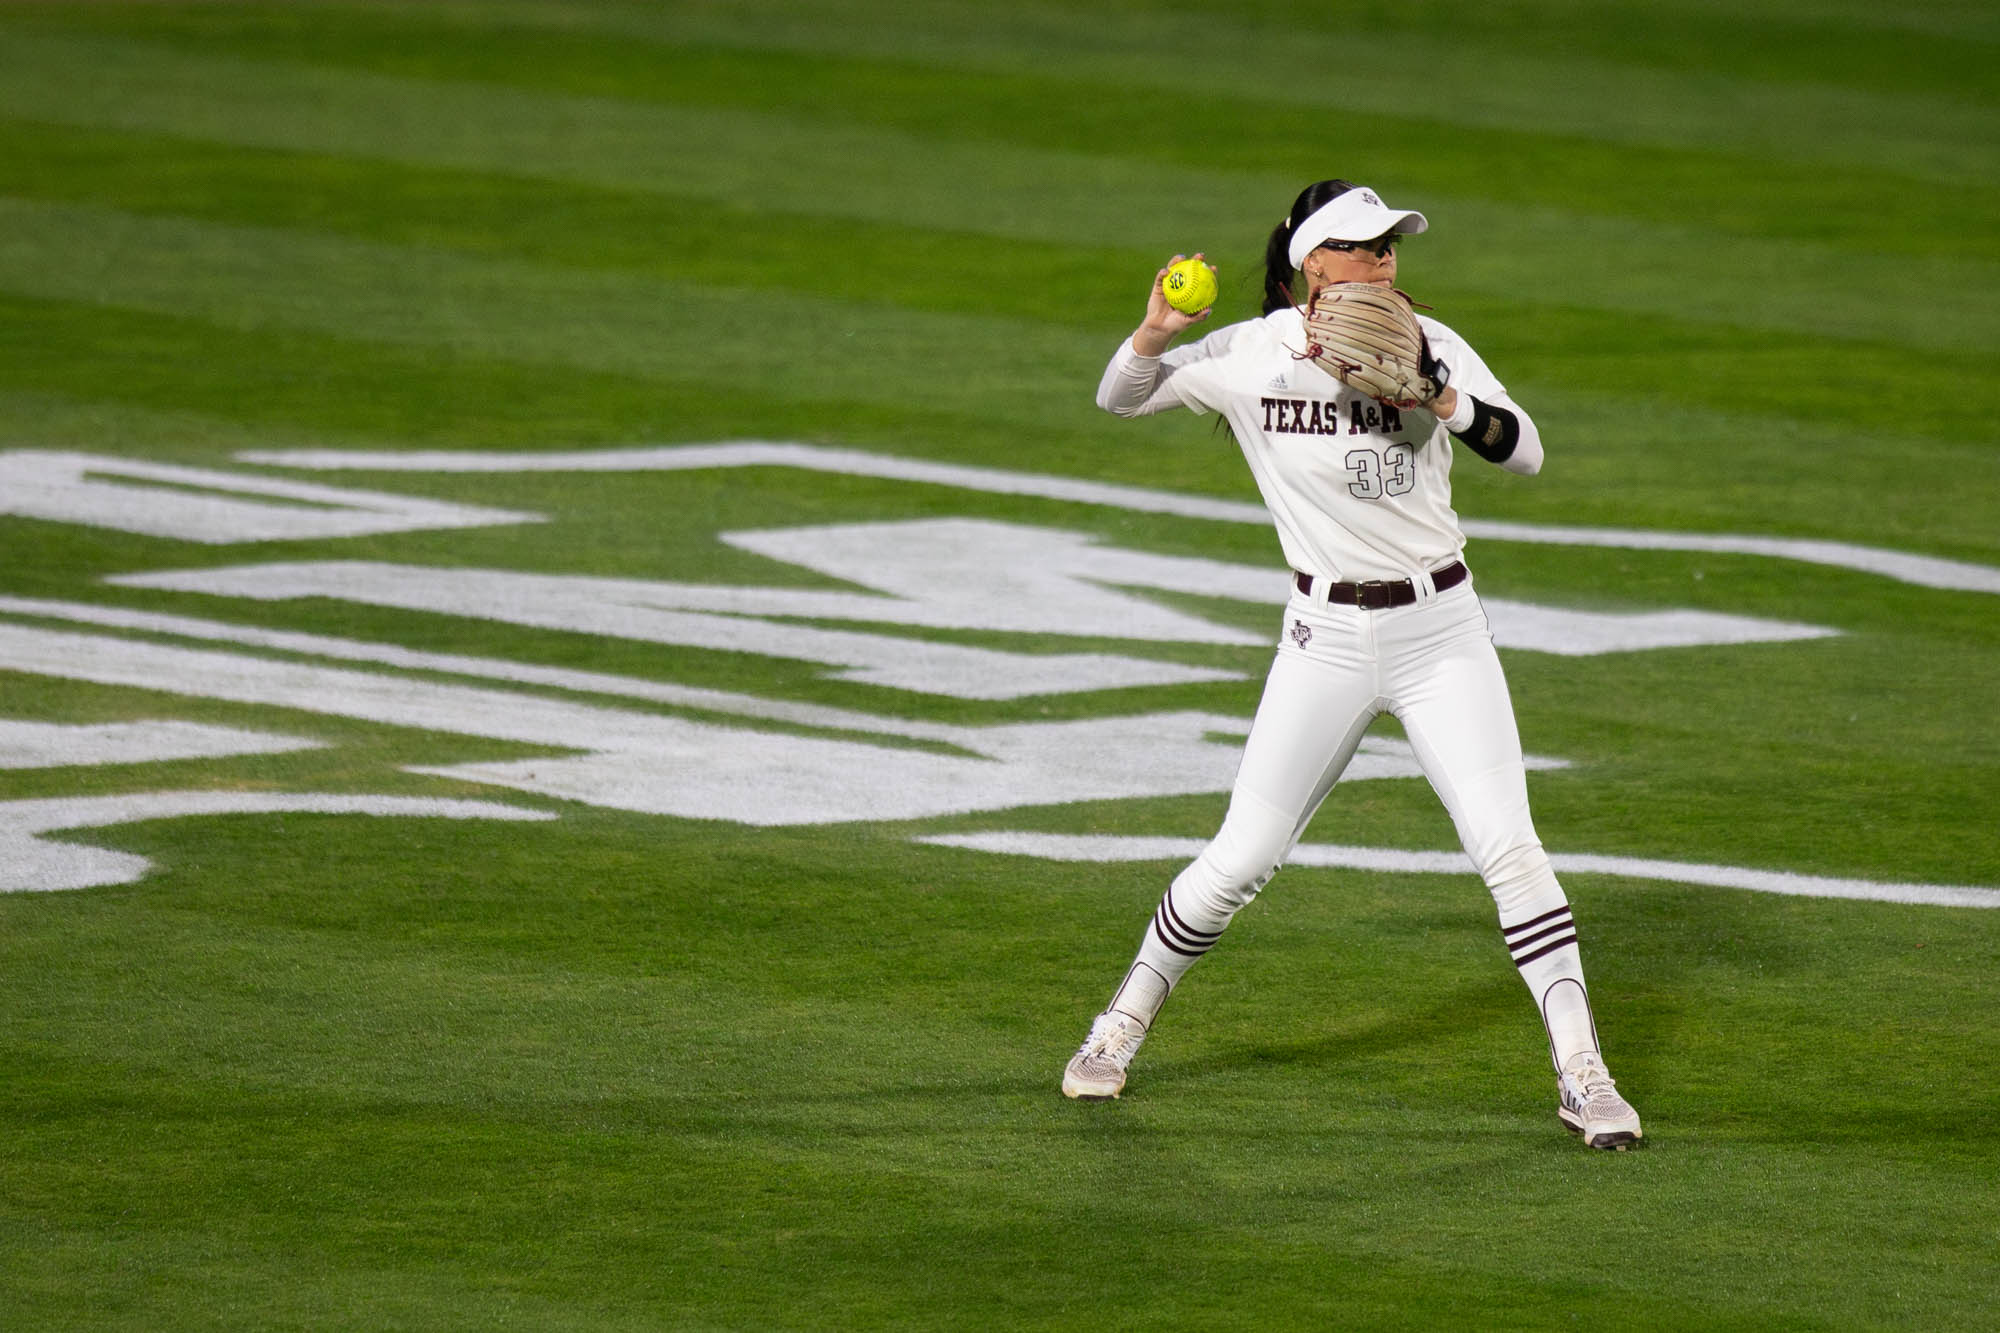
<point>1592,1080</point>
<point>1110,1042</point>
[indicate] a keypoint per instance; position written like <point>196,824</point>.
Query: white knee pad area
<point>1239,862</point>
<point>1522,882</point>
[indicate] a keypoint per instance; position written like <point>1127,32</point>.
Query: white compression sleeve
<point>1133,385</point>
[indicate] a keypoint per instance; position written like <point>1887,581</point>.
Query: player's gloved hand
<point>1367,337</point>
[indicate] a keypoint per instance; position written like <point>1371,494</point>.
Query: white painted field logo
<point>899,581</point>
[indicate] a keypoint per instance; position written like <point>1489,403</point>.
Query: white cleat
<point>1589,1104</point>
<point>1096,1072</point>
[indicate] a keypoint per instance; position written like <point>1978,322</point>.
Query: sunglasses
<point>1379,247</point>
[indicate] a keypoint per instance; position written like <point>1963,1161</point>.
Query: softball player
<point>1382,618</point>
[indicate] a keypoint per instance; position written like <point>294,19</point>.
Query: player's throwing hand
<point>1164,320</point>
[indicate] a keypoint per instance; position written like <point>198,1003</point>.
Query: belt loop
<point>1425,585</point>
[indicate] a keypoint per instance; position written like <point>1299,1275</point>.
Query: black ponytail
<point>1278,250</point>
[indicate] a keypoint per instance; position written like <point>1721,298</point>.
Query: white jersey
<point>1358,490</point>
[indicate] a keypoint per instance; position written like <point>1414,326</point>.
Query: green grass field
<point>642,1042</point>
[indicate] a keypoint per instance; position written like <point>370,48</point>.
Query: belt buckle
<point>1374,595</point>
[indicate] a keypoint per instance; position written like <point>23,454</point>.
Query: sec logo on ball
<point>1189,286</point>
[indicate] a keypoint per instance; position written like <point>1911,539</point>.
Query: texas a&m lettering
<point>1314,416</point>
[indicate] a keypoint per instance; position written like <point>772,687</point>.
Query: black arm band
<point>1493,433</point>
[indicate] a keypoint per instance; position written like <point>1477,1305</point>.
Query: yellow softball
<point>1189,286</point>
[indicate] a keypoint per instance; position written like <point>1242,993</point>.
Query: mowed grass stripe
<point>816,350</point>
<point>578,226</point>
<point>1500,82</point>
<point>749,159</point>
<point>1409,149</point>
<point>1851,42</point>
<point>90,377</point>
<point>760,161</point>
<point>87,376</point>
<point>1494,76</point>
<point>970,1143</point>
<point>1758,472</point>
<point>1613,459</point>
<point>575,225</point>
<point>1675,464</point>
<point>1734,192</point>
<point>531,997</point>
<point>813,347</point>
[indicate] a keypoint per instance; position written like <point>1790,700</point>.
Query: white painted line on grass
<point>656,764</point>
<point>218,508</point>
<point>1107,848</point>
<point>29,864</point>
<point>153,741</point>
<point>486,668</point>
<point>742,619</point>
<point>1923,571</point>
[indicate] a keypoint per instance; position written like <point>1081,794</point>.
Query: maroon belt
<point>1378,594</point>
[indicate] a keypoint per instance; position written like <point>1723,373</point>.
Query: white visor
<point>1358,215</point>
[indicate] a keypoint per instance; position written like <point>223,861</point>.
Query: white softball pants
<point>1432,665</point>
